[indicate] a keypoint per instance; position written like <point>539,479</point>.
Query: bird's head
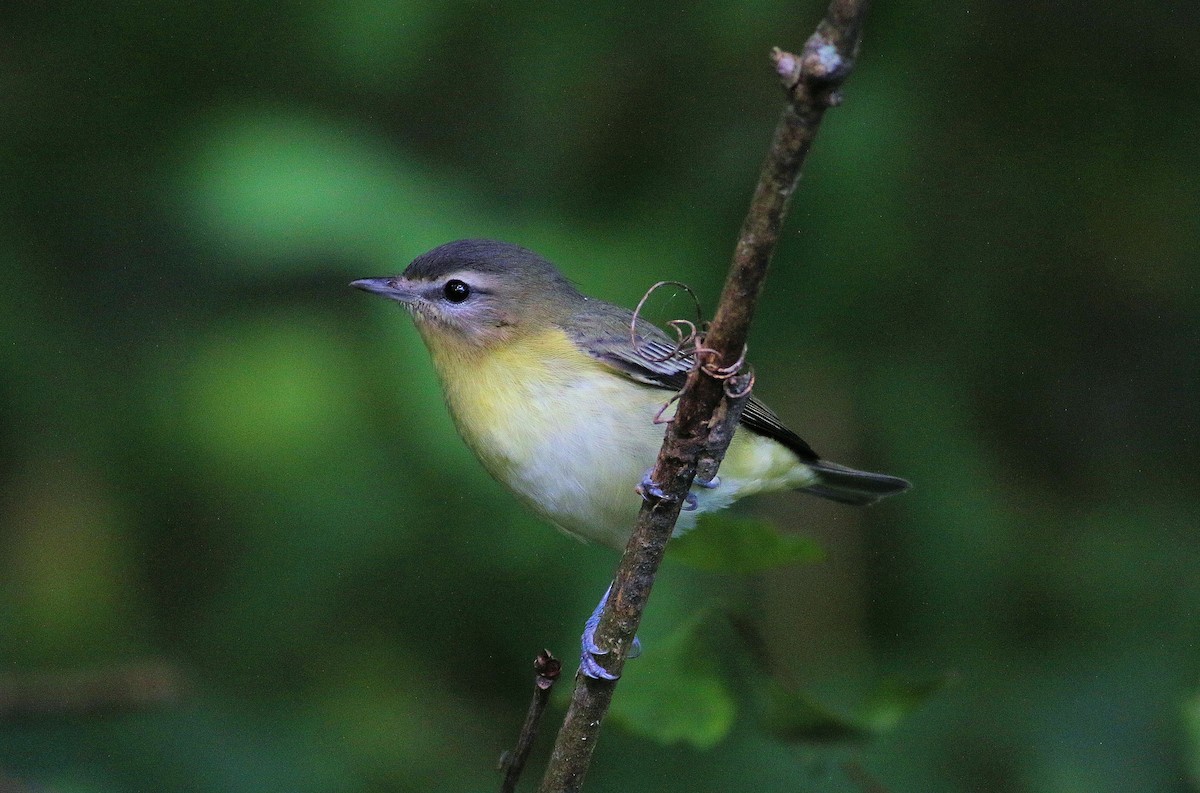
<point>480,293</point>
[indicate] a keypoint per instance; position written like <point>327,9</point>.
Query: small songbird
<point>549,389</point>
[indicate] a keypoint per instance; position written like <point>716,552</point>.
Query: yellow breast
<point>568,436</point>
<point>572,438</point>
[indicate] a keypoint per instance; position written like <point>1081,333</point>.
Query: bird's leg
<point>649,489</point>
<point>587,659</point>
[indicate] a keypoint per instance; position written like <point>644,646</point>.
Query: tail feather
<point>848,486</point>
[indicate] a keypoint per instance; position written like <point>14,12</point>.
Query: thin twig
<point>812,81</point>
<point>546,669</point>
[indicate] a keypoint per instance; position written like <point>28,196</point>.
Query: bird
<point>560,396</point>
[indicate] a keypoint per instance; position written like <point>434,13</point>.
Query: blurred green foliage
<point>677,694</point>
<point>215,454</point>
<point>723,544</point>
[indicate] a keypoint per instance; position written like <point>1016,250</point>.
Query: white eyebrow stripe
<point>485,283</point>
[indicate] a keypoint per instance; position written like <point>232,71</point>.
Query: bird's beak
<point>394,288</point>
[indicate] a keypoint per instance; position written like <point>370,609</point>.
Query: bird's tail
<point>839,483</point>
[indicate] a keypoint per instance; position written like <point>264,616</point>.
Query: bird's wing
<point>602,331</point>
<point>762,419</point>
<point>605,336</point>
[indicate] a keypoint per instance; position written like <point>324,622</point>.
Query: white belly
<point>573,439</point>
<point>575,458</point>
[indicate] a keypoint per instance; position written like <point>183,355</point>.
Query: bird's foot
<point>590,650</point>
<point>649,489</point>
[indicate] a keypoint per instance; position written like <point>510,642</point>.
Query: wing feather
<point>602,331</point>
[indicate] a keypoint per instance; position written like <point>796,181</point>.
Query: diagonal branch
<point>812,80</point>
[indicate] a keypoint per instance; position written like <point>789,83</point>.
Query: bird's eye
<point>456,291</point>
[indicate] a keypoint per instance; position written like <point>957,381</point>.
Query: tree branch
<point>707,406</point>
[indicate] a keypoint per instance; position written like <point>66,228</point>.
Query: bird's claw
<point>588,663</point>
<point>590,667</point>
<point>689,501</point>
<point>650,490</point>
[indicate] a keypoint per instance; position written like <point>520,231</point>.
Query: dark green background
<point>217,456</point>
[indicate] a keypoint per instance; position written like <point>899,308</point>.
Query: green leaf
<point>725,544</point>
<point>674,692</point>
<point>797,718</point>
